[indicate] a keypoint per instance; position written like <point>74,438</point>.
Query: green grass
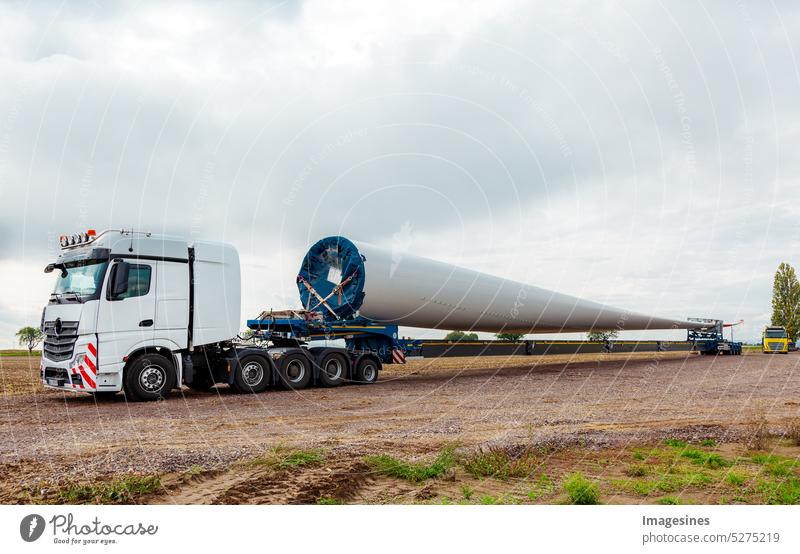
<point>664,483</point>
<point>414,472</point>
<point>498,463</point>
<point>467,492</point>
<point>708,442</point>
<point>580,490</point>
<point>195,470</point>
<point>328,501</point>
<point>782,491</point>
<point>637,470</point>
<point>735,478</point>
<point>708,459</point>
<point>19,353</point>
<point>675,442</point>
<point>118,491</point>
<point>281,458</point>
<point>669,500</point>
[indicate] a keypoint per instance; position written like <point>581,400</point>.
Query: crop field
<point>668,428</point>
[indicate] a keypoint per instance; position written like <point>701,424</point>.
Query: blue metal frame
<point>359,334</point>
<point>708,341</point>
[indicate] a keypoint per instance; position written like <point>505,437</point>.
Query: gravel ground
<point>414,409</point>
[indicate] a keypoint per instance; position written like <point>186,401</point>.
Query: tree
<point>509,336</point>
<point>455,336</point>
<point>601,336</point>
<point>786,300</point>
<point>29,337</point>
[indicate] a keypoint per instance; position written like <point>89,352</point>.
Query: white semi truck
<point>141,313</point>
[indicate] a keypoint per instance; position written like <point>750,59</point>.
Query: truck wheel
<point>149,377</point>
<point>367,371</point>
<point>332,370</point>
<point>251,375</point>
<point>294,372</point>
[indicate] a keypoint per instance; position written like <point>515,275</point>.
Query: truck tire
<point>251,374</point>
<point>366,371</point>
<point>294,372</point>
<point>149,377</point>
<point>332,370</point>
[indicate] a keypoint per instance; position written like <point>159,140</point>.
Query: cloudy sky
<point>643,154</point>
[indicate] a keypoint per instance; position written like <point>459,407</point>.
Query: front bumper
<point>79,373</point>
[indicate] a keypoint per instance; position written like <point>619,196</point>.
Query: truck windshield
<point>775,334</point>
<point>83,282</point>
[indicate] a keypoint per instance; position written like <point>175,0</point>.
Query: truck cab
<point>143,314</point>
<point>775,340</point>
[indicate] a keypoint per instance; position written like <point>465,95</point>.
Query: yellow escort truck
<point>775,340</point>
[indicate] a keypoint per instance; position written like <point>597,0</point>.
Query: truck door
<point>126,317</point>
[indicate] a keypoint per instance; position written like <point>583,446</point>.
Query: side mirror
<point>62,267</point>
<point>118,282</point>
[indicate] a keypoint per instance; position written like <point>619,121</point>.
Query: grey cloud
<point>665,120</point>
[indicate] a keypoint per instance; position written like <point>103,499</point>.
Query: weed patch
<point>580,490</point>
<point>118,491</point>
<point>413,472</point>
<point>500,464</point>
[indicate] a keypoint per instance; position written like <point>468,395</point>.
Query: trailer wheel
<point>367,371</point>
<point>251,375</point>
<point>294,372</point>
<point>332,370</point>
<point>149,377</point>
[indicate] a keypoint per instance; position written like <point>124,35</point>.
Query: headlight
<point>79,359</point>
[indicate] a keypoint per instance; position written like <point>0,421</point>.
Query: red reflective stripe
<point>91,365</point>
<point>92,350</point>
<point>86,378</point>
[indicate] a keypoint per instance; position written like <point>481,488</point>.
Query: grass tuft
<point>637,470</point>
<point>281,458</point>
<point>580,490</point>
<point>499,463</point>
<point>710,460</point>
<point>736,479</point>
<point>669,500</point>
<point>410,471</point>
<point>118,491</point>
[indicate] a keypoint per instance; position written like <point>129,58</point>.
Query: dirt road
<point>414,410</point>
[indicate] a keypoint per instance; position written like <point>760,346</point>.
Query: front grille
<point>55,373</point>
<point>59,347</point>
<point>56,376</point>
<point>775,345</point>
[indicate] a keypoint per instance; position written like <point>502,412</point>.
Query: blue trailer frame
<point>359,334</point>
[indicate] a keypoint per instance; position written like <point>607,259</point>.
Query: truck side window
<point>138,281</point>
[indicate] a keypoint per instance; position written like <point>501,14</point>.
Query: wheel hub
<point>252,374</point>
<point>152,378</point>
